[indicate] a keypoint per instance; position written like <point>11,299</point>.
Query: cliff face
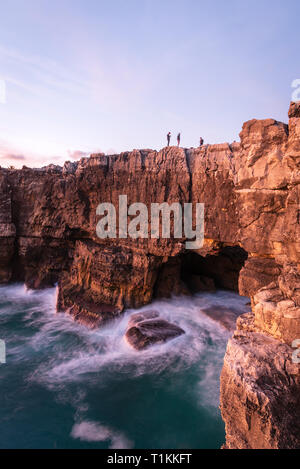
<point>251,195</point>
<point>260,384</point>
<point>54,212</point>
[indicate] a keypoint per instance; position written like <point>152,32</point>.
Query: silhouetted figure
<point>168,138</point>
<point>201,141</point>
<point>178,139</point>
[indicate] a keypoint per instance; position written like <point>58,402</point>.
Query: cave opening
<point>216,271</point>
<point>191,273</point>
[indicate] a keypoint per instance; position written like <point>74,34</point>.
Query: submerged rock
<point>224,316</point>
<point>146,329</point>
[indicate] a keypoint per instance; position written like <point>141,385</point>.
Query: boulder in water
<point>146,329</point>
<point>139,317</point>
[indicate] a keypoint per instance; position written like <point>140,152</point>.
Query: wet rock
<point>146,329</point>
<point>225,317</point>
<point>139,317</point>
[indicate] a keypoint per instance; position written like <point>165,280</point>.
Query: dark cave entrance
<point>192,273</point>
<point>219,271</point>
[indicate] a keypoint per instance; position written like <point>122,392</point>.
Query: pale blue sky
<point>91,75</point>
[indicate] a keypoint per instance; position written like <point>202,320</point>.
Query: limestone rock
<point>294,110</point>
<point>260,391</point>
<point>146,329</point>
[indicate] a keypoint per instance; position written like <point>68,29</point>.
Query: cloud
<point>12,156</point>
<point>9,155</point>
<point>45,74</point>
<point>77,154</point>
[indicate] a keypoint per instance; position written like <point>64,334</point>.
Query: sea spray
<point>64,383</point>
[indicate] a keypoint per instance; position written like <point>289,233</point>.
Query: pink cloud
<point>13,156</point>
<point>77,154</point>
<point>9,155</point>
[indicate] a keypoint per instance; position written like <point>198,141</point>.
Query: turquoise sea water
<point>65,386</point>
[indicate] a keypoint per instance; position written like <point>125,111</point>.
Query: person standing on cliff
<point>178,139</point>
<point>168,138</point>
<point>201,141</point>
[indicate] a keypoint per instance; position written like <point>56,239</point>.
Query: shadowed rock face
<point>7,231</point>
<point>251,195</point>
<point>146,329</point>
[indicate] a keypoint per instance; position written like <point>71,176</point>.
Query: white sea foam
<point>95,432</point>
<point>109,386</point>
<point>107,347</point>
<point>76,353</point>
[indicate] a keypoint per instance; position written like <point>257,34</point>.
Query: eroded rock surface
<point>260,399</point>
<point>260,384</point>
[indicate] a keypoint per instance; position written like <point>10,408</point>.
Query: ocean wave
<point>67,352</point>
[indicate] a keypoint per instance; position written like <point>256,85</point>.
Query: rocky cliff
<point>252,221</point>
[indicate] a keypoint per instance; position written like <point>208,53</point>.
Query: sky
<point>82,76</point>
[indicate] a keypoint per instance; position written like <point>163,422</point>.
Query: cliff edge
<point>252,221</point>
